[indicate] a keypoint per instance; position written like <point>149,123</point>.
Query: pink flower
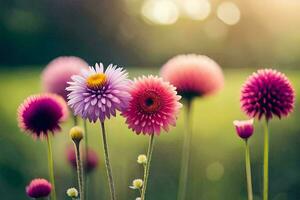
<point>38,188</point>
<point>42,114</point>
<point>244,128</point>
<point>59,71</point>
<point>193,75</point>
<point>89,164</point>
<point>266,93</point>
<point>154,105</point>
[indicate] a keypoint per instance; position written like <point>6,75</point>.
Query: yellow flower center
<point>96,81</point>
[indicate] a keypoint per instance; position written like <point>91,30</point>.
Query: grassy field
<point>217,164</point>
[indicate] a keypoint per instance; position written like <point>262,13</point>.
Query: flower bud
<point>142,159</point>
<point>76,133</point>
<point>137,184</point>
<point>38,188</point>
<point>72,192</point>
<point>244,128</point>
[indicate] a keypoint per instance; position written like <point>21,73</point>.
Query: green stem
<point>266,161</point>
<point>75,120</point>
<point>107,162</point>
<point>248,171</point>
<point>147,168</point>
<point>79,171</point>
<point>184,170</point>
<point>51,168</point>
<point>86,159</point>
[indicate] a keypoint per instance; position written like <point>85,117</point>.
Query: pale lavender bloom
<point>98,94</point>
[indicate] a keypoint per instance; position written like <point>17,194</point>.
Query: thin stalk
<point>248,171</point>
<point>75,120</point>
<point>86,159</point>
<point>107,163</point>
<point>266,162</point>
<point>51,168</point>
<point>79,171</point>
<point>184,170</point>
<point>147,168</point>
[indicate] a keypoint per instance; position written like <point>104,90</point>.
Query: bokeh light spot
<point>197,9</point>
<point>214,171</point>
<point>229,13</point>
<point>162,12</point>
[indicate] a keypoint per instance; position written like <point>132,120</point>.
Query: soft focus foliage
<point>237,34</point>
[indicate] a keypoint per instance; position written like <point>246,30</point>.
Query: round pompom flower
<point>266,93</point>
<point>41,114</point>
<point>97,94</point>
<point>154,105</point>
<point>38,188</point>
<point>193,75</point>
<point>59,71</point>
<point>89,164</point>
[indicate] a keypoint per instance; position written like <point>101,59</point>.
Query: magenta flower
<point>89,164</point>
<point>59,71</point>
<point>193,75</point>
<point>244,128</point>
<point>154,105</point>
<point>96,94</point>
<point>41,114</point>
<point>38,188</point>
<point>266,93</point>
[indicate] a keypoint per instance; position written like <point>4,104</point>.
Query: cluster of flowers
<point>150,104</point>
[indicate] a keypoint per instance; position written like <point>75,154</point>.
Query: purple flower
<point>41,114</point>
<point>266,93</point>
<point>38,188</point>
<point>244,128</point>
<point>96,94</point>
<point>59,71</point>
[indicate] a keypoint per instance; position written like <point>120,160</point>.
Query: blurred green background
<point>141,35</point>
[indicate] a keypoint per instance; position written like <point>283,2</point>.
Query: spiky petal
<point>98,94</point>
<point>267,93</point>
<point>41,114</point>
<point>154,106</point>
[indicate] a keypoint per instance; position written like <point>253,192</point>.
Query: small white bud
<point>72,192</point>
<point>142,159</point>
<point>137,184</point>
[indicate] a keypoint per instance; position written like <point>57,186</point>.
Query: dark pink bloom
<point>38,188</point>
<point>193,75</point>
<point>244,128</point>
<point>154,105</point>
<point>266,93</point>
<point>89,164</point>
<point>59,71</point>
<point>41,114</point>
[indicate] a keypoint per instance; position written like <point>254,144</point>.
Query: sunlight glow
<point>163,12</point>
<point>196,9</point>
<point>229,13</point>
